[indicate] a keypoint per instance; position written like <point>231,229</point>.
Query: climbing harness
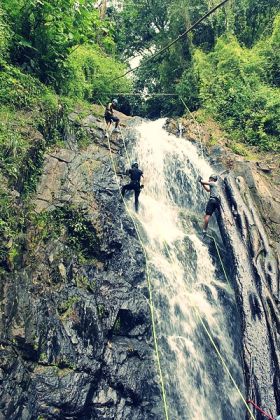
<point>199,316</point>
<point>164,399</point>
<point>260,410</point>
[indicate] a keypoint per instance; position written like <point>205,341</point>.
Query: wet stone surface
<point>75,322</point>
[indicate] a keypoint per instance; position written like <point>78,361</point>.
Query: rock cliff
<point>75,324</point>
<point>250,227</point>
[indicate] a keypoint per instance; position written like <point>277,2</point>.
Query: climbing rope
<point>164,399</point>
<point>197,311</point>
<point>260,410</point>
<point>220,258</point>
<point>214,344</point>
<point>191,28</point>
<point>198,126</point>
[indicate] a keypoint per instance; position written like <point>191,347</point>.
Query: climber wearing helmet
<point>110,117</point>
<point>214,200</point>
<point>135,177</point>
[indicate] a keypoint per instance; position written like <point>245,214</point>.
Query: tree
<point>45,33</point>
<point>4,35</point>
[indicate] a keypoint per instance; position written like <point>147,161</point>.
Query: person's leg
<point>210,208</point>
<point>206,221</point>
<point>136,198</point>
<point>108,123</point>
<point>116,121</point>
<point>125,188</point>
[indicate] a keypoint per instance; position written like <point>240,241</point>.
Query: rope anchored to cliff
<point>191,28</point>
<point>212,341</point>
<point>152,309</point>
<point>261,411</point>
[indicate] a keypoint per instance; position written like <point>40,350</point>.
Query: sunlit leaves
<point>233,87</point>
<point>45,33</point>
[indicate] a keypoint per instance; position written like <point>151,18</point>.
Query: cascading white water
<point>184,276</point>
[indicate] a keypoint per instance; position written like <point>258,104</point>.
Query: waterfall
<point>184,275</point>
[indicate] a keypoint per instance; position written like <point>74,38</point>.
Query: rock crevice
<point>76,338</point>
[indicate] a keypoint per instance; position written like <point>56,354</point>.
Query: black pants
<point>212,205</point>
<point>136,188</point>
<point>111,118</point>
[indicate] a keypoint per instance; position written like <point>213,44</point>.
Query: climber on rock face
<point>135,177</point>
<point>110,117</point>
<point>214,200</point>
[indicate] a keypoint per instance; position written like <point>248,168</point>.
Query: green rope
<point>214,344</point>
<point>194,307</point>
<point>164,399</point>
<point>220,258</point>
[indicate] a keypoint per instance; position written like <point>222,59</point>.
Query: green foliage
<point>4,35</point>
<point>46,32</point>
<point>187,88</point>
<point>17,89</point>
<point>232,88</point>
<point>270,53</point>
<point>251,20</point>
<point>239,149</point>
<point>11,224</point>
<point>66,308</point>
<point>81,234</point>
<point>117,326</point>
<point>139,24</point>
<point>83,282</point>
<point>91,74</point>
<point>22,145</point>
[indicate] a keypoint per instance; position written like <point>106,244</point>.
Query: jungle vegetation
<point>228,66</point>
<point>55,54</point>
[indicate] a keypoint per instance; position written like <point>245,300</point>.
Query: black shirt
<point>135,174</point>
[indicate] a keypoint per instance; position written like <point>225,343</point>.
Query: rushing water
<point>184,276</point>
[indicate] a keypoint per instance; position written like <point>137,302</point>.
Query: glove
<point>141,187</point>
<point>200,179</point>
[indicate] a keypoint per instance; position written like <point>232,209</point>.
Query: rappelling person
<point>135,177</point>
<point>214,202</point>
<point>110,117</point>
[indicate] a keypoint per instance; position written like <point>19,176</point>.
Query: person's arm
<point>204,182</point>
<point>111,109</point>
<point>206,185</point>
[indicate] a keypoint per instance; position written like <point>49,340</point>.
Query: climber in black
<point>110,117</point>
<point>135,177</point>
<point>214,200</point>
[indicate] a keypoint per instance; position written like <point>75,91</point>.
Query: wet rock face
<point>255,268</point>
<point>250,227</point>
<point>75,323</point>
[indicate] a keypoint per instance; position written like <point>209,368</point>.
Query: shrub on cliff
<point>4,35</point>
<point>65,44</point>
<point>90,75</point>
<point>234,87</point>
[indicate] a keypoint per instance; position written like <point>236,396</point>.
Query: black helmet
<point>214,177</point>
<point>115,101</point>
<point>134,165</point>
